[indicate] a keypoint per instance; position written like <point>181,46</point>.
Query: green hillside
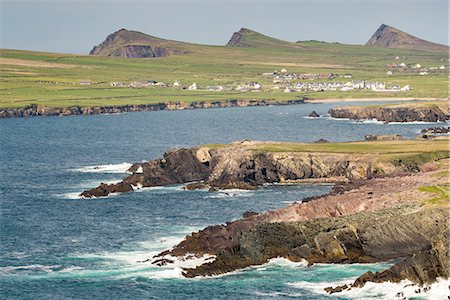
<point>53,79</point>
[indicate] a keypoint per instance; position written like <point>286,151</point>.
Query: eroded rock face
<point>241,167</point>
<point>391,114</point>
<point>424,267</point>
<point>363,237</point>
<point>367,221</point>
<point>39,110</point>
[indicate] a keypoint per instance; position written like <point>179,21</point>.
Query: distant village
<point>402,67</point>
<point>289,82</point>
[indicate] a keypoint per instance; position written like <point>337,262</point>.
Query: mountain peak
<point>390,37</point>
<point>135,44</point>
<point>249,38</point>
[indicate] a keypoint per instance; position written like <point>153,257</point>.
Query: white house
<point>389,73</point>
<point>405,88</point>
<point>192,87</point>
<point>176,84</point>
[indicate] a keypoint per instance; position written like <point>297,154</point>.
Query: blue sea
<point>54,245</point>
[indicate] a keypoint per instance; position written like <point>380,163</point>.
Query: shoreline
<point>387,99</point>
<point>39,110</point>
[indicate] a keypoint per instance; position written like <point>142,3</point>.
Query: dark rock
<point>321,141</point>
<point>383,137</point>
<point>436,130</point>
<point>331,290</point>
<point>391,114</point>
<point>248,214</point>
<point>195,186</point>
<point>313,114</point>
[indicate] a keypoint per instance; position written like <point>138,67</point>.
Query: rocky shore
<point>394,113</point>
<point>38,110</point>
<point>247,165</point>
<point>371,220</point>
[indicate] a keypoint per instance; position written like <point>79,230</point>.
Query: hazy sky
<point>76,26</point>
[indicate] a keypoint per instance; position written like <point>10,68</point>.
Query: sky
<point>75,26</point>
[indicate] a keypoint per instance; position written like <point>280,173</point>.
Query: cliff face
<point>390,37</point>
<point>133,44</point>
<point>392,114</point>
<point>39,110</point>
<point>363,237</point>
<point>370,221</point>
<point>240,166</point>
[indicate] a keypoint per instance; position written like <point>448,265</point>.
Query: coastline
<point>38,110</point>
<point>387,99</point>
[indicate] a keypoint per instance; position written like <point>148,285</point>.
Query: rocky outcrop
<point>134,44</point>
<point>314,114</point>
<point>243,165</point>
<point>138,51</point>
<point>390,37</point>
<point>383,137</point>
<point>370,221</point>
<point>424,267</point>
<point>436,130</point>
<point>432,113</point>
<point>39,110</point>
<point>363,237</point>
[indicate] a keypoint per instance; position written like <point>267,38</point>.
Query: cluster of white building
<point>347,86</point>
<point>415,68</point>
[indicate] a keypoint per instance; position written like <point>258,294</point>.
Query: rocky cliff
<point>247,165</point>
<point>398,113</point>
<point>376,220</point>
<point>390,37</point>
<point>134,44</point>
<point>39,110</point>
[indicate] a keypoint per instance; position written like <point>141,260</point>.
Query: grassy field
<point>53,79</point>
<point>381,147</point>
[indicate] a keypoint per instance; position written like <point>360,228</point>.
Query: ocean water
<point>54,245</point>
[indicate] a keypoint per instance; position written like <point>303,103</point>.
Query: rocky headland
<point>39,110</point>
<point>408,112</point>
<point>248,164</point>
<point>396,218</point>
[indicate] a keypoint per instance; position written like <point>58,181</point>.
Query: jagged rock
<point>392,114</point>
<point>248,214</point>
<point>38,110</point>
<point>313,114</point>
<point>436,130</point>
<point>383,137</point>
<point>239,166</point>
<point>321,141</point>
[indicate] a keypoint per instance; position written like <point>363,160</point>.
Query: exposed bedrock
<point>40,110</point>
<point>391,114</point>
<point>363,237</point>
<point>241,166</point>
<point>424,267</point>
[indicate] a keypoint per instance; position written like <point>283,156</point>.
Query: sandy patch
<point>35,63</point>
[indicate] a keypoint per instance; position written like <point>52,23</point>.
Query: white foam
<point>368,121</point>
<point>139,170</point>
<point>415,123</point>
<point>284,262</point>
<point>36,267</point>
<point>231,193</point>
<point>386,290</point>
<point>111,168</point>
